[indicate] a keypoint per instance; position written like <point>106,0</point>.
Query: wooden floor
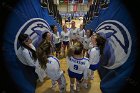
<point>94,85</point>
<point>45,87</point>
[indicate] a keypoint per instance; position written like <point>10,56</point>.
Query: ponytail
<point>100,43</point>
<point>42,53</point>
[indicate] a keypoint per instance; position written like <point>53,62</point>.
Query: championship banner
<point>85,1</point>
<point>70,1</point>
<point>56,2</point>
<point>71,7</point>
<point>61,1</point>
<point>66,1</point>
<point>117,64</point>
<point>75,7</point>
<point>76,1</point>
<point>80,1</point>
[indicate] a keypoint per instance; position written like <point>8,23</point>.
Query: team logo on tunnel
<point>118,46</point>
<point>34,28</point>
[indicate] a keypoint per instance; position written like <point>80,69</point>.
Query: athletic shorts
<point>66,43</point>
<point>58,47</point>
<point>93,67</point>
<point>75,75</point>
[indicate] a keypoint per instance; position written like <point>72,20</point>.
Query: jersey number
<point>75,67</point>
<point>66,37</point>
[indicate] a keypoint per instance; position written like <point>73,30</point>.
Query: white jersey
<point>25,56</point>
<point>56,38</point>
<point>86,42</point>
<point>78,66</point>
<point>73,33</point>
<point>53,68</point>
<point>94,55</point>
<point>81,33</point>
<point>65,36</point>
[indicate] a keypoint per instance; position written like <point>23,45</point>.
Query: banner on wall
<point>66,1</point>
<point>85,1</point>
<point>80,1</point>
<point>56,2</point>
<point>61,1</point>
<point>75,7</point>
<point>71,7</point>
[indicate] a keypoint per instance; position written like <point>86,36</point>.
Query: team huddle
<point>84,49</point>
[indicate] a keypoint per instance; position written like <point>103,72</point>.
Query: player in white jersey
<point>52,66</point>
<point>47,36</point>
<point>77,66</point>
<point>81,32</point>
<point>56,40</point>
<point>65,37</point>
<point>87,40</point>
<point>73,33</point>
<point>27,55</point>
<point>98,43</point>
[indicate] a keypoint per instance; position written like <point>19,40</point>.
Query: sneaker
<point>54,85</point>
<point>91,77</point>
<point>77,88</point>
<point>71,89</point>
<point>63,90</point>
<point>85,85</point>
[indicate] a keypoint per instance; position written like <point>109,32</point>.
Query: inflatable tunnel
<point>25,16</point>
<point>116,65</point>
<point>113,22</point>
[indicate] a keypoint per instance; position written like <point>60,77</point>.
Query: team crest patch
<point>118,46</point>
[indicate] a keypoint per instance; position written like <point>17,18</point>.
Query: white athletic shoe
<point>54,85</point>
<point>85,85</point>
<point>63,90</point>
<point>77,88</point>
<point>71,89</point>
<point>91,77</point>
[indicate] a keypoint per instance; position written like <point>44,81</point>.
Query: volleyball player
<point>73,33</point>
<point>77,66</point>
<point>98,43</point>
<point>52,65</point>
<point>65,36</point>
<point>56,40</point>
<point>87,40</point>
<point>81,31</point>
<point>27,55</point>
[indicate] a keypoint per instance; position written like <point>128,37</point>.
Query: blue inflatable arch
<point>114,23</point>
